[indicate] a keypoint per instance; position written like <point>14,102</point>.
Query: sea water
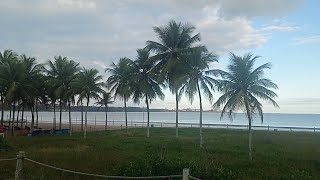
<point>270,119</point>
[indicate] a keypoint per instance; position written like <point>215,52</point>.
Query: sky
<point>99,32</point>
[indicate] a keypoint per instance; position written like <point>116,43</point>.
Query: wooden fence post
<point>18,172</point>
<point>185,174</point>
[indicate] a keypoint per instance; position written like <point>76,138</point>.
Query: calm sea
<point>294,120</point>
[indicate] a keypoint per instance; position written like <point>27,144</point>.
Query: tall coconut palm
<point>105,100</point>
<point>5,57</point>
<point>242,86</point>
<point>32,88</point>
<point>62,72</point>
<point>20,77</point>
<point>199,78</point>
<point>145,81</point>
<point>175,39</point>
<point>12,75</point>
<point>119,82</point>
<point>90,86</point>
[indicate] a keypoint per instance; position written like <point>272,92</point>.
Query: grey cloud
<point>253,8</point>
<point>106,30</point>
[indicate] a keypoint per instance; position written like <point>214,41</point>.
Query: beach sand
<point>77,127</point>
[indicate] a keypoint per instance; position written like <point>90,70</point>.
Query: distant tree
<point>105,100</point>
<point>145,81</point>
<point>175,39</point>
<point>242,86</point>
<point>5,57</point>
<point>62,72</point>
<point>90,83</point>
<point>119,82</point>
<point>199,78</point>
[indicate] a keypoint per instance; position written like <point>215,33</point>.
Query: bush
<point>4,146</point>
<point>156,165</point>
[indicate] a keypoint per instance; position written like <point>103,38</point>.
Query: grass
<point>276,155</point>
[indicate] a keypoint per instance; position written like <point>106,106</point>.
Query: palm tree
<point>62,72</point>
<point>242,86</point>
<point>105,101</point>
<point>119,82</point>
<point>175,39</point>
<point>20,77</point>
<point>145,81</point>
<point>32,88</point>
<point>89,82</point>
<point>198,78</point>
<point>5,57</point>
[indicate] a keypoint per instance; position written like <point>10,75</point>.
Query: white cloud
<point>284,28</point>
<point>82,4</point>
<point>224,35</point>
<point>306,40</point>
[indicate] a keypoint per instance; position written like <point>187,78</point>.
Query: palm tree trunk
<point>10,114</point>
<point>106,112</point>
<point>60,104</point>
<point>22,115</point>
<point>86,118</point>
<point>70,131</point>
<point>37,115</point>
<point>54,116</point>
<point>250,130</point>
<point>81,116</point>
<point>2,109</point>
<point>13,112</point>
<point>148,118</point>
<point>177,114</point>
<point>125,112</point>
<point>17,121</point>
<point>200,99</point>
<point>32,117</point>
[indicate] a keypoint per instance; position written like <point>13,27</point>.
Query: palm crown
<point>243,85</point>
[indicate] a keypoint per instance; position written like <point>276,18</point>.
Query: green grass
<point>276,155</point>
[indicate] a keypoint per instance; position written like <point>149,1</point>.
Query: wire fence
<point>118,124</point>
<point>21,156</point>
<point>101,125</point>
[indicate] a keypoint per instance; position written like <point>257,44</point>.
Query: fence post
<point>185,174</point>
<point>121,127</point>
<point>268,127</point>
<point>18,172</point>
<point>314,129</point>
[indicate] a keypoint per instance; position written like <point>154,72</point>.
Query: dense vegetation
<point>278,155</point>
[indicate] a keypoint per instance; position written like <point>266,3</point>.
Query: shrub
<point>4,146</point>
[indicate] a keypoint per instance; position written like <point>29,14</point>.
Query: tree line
<point>176,60</point>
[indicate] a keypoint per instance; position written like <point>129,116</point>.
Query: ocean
<point>270,119</point>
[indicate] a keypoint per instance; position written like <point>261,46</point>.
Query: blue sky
<point>97,32</point>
